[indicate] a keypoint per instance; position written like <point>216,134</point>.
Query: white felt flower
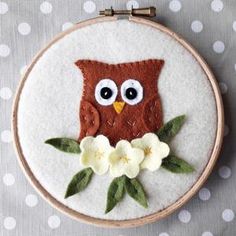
<point>95,153</point>
<point>154,151</point>
<point>125,160</point>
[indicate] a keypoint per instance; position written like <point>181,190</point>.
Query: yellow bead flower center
<point>147,151</point>
<point>99,153</point>
<point>125,159</point>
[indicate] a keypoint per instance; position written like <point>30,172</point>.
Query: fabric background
<point>208,25</point>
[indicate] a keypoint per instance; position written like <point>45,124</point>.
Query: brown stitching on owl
<point>83,118</point>
<point>110,122</point>
<point>131,123</point>
<point>136,135</point>
<point>151,108</point>
<point>150,119</point>
<point>156,115</point>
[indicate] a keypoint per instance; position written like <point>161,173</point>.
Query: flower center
<point>99,153</point>
<point>125,159</point>
<point>147,151</point>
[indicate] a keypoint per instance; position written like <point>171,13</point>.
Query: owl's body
<point>120,101</point>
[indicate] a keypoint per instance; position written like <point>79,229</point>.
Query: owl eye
<point>106,92</point>
<point>132,91</point>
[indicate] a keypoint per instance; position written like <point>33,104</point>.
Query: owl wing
<point>89,120</point>
<point>152,114</point>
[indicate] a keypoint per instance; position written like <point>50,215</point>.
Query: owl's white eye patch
<point>106,92</point>
<point>132,91</point>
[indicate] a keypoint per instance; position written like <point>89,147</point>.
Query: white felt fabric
<point>49,106</point>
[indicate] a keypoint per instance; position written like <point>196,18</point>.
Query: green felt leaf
<point>115,192</point>
<point>135,190</point>
<point>64,144</point>
<point>79,182</point>
<point>176,165</point>
<point>170,129</point>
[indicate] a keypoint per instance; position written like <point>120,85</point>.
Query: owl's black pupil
<point>106,93</point>
<point>131,93</point>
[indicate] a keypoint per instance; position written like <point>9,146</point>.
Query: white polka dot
<point>131,4</point>
<point>46,7</point>
<point>196,26</point>
<point>66,26</point>
<point>175,5</point>
<point>204,194</point>
<point>24,28</point>
<point>226,130</point>
<point>217,5</point>
<point>223,88</point>
<point>31,200</point>
<point>5,93</point>
<point>89,7</point>
<point>228,215</point>
<point>184,216</point>
<point>224,172</point>
<point>163,234</point>
<point>8,179</point>
<point>234,26</point>
<point>207,233</point>
<point>218,47</point>
<point>23,70</point>
<point>54,222</point>
<point>3,8</point>
<point>9,223</point>
<point>4,50</point>
<point>6,136</point>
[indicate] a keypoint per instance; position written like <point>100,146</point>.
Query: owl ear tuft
<point>150,64</point>
<point>158,63</point>
<point>87,66</point>
<point>154,65</point>
<point>83,64</point>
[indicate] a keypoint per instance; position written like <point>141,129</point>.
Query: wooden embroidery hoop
<point>152,217</point>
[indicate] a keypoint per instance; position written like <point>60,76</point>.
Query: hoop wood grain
<point>152,217</point>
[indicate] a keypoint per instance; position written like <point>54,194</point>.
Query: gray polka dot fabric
<point>26,26</point>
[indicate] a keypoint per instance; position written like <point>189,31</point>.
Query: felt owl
<point>120,101</point>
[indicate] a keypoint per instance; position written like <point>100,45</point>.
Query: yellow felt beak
<point>118,106</point>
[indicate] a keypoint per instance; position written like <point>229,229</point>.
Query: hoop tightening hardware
<point>148,11</point>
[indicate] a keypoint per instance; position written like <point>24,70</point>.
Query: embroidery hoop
<point>152,217</point>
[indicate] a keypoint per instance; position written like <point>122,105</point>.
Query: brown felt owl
<point>120,101</point>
